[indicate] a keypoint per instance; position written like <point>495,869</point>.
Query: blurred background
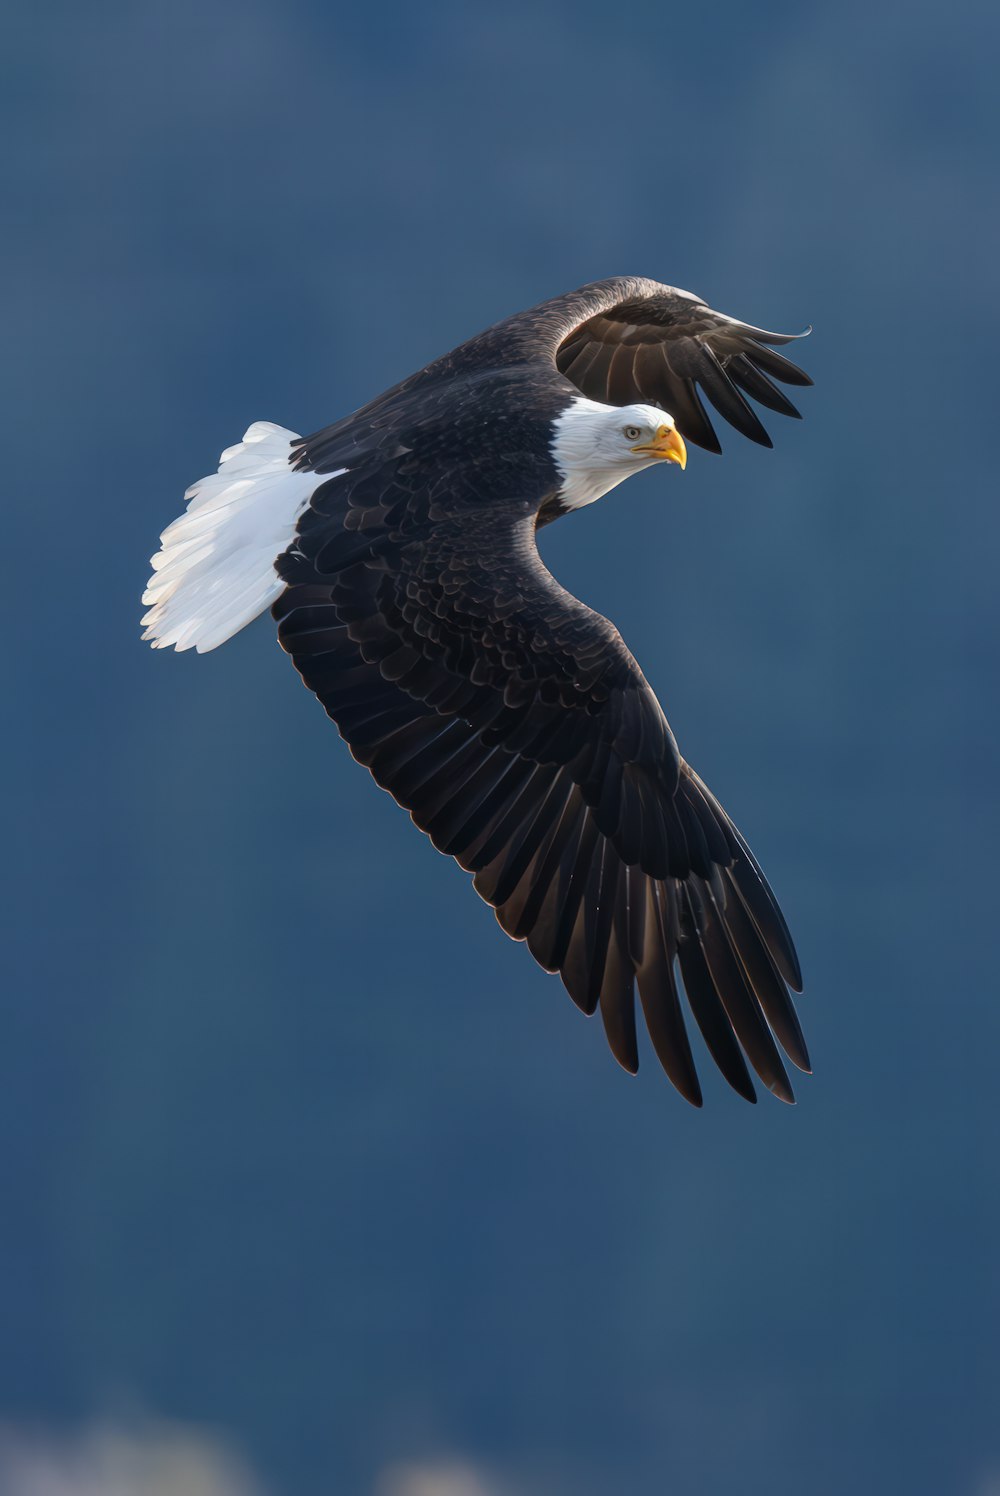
<point>312,1184</point>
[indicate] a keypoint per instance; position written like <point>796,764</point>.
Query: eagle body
<point>397,550</point>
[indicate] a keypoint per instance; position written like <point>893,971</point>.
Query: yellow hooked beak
<point>668,444</point>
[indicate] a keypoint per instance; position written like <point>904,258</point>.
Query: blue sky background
<point>294,1144</point>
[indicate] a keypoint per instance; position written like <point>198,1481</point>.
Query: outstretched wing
<point>661,345</point>
<point>516,728</point>
<point>628,338</point>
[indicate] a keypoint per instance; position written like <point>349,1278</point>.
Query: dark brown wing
<point>517,729</point>
<point>620,340</point>
<point>656,344</point>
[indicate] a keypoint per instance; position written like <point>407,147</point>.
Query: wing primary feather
<point>761,335</point>
<point>617,994</point>
<point>701,859</point>
<point>708,815</point>
<point>654,851</point>
<point>578,963</point>
<point>582,970</point>
<point>709,1014</point>
<point>550,944</point>
<point>766,982</point>
<point>741,1005</point>
<point>680,855</point>
<point>757,385</point>
<point>728,401</point>
<point>763,908</point>
<point>660,1002</point>
<point>635,903</point>
<point>659,381</point>
<point>779,367</point>
<point>601,913</point>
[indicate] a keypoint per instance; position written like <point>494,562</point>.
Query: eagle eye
<point>633,433</point>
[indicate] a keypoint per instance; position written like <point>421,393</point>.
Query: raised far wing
<point>516,728</point>
<point>658,344</point>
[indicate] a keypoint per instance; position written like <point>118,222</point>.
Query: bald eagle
<point>396,549</point>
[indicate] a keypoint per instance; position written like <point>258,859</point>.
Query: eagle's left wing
<point>664,345</point>
<point>628,339</point>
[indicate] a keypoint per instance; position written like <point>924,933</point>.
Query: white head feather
<point>593,446</point>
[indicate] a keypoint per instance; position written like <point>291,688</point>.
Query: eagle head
<point>596,446</point>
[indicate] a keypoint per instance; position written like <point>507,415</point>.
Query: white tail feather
<point>214,571</point>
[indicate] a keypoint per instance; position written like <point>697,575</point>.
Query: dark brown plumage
<point>509,719</point>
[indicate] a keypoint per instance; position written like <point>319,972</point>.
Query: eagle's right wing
<point>516,728</point>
